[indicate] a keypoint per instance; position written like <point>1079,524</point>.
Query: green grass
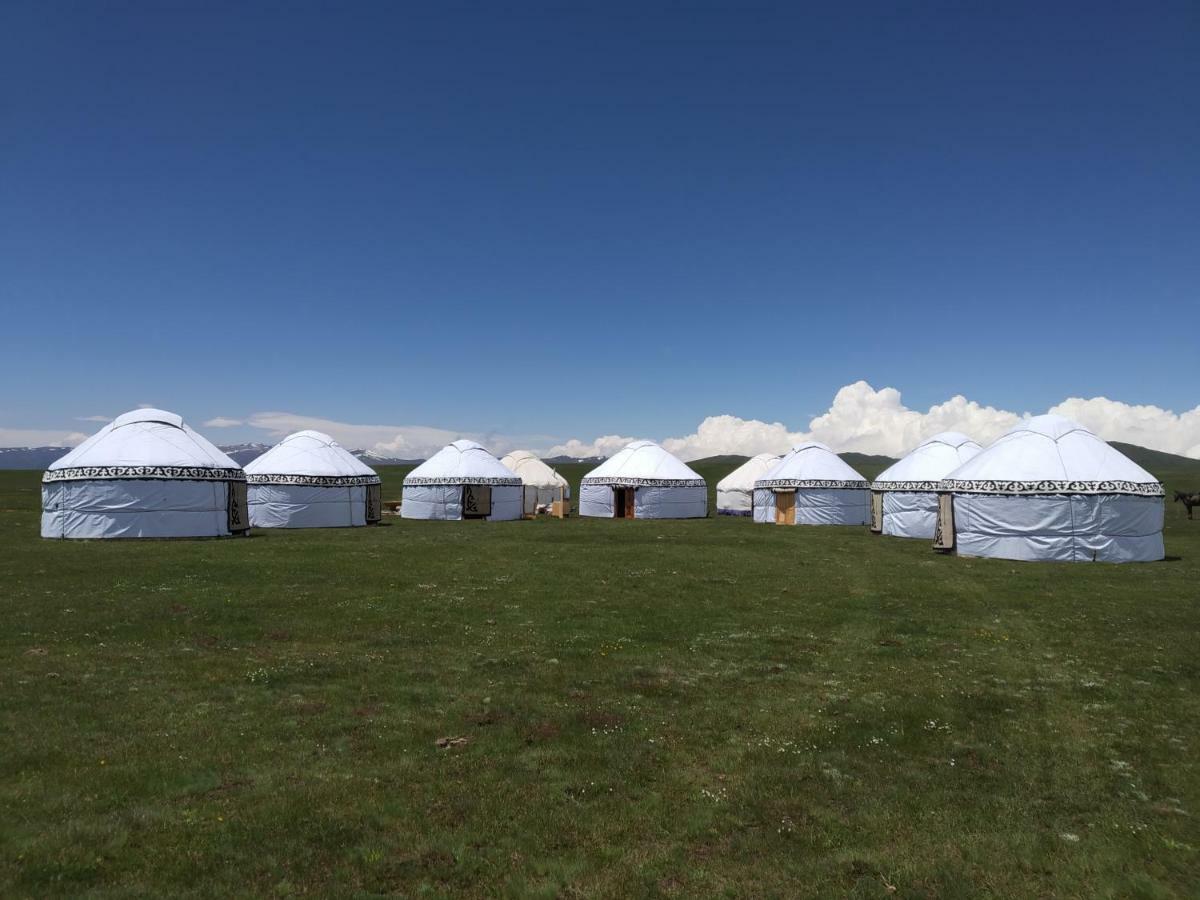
<point>649,708</point>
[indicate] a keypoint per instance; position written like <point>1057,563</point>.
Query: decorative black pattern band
<point>316,480</point>
<point>456,479</point>
<point>645,482</point>
<point>905,485</point>
<point>141,473</point>
<point>1138,488</point>
<point>768,483</point>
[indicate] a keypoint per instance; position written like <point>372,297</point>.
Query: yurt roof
<point>309,457</point>
<point>811,465</point>
<point>462,462</point>
<point>141,444</point>
<point>1051,455</point>
<point>643,463</point>
<point>927,464</point>
<point>743,477</point>
<point>532,470</point>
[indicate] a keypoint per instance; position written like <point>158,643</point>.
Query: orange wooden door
<point>785,508</point>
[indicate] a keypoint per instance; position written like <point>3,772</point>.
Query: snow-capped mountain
<point>30,457</point>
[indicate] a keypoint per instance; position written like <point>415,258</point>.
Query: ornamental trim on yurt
<point>138,473</point>
<point>622,481</point>
<point>916,486</point>
<point>810,483</point>
<point>316,480</point>
<point>984,486</point>
<point>514,481</point>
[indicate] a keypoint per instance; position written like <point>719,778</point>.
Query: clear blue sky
<point>576,220</point>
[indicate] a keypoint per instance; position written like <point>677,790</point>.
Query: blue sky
<point>572,220</point>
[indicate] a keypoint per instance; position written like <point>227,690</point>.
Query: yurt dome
<point>643,481</point>
<point>1050,489</point>
<point>904,495</point>
<point>309,480</point>
<point>735,492</point>
<point>811,485</point>
<point>148,475</point>
<point>542,485</point>
<point>462,481</point>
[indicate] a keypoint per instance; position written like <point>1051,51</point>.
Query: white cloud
<point>33,437</point>
<point>601,446</point>
<point>1147,426</point>
<point>398,441</point>
<point>104,419</point>
<point>866,420</point>
<point>860,418</point>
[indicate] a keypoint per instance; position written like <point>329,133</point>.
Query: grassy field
<point>633,709</point>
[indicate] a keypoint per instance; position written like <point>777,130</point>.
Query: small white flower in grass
<point>1068,836</point>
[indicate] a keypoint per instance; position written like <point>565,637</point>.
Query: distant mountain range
<point>1162,465</point>
<point>41,457</point>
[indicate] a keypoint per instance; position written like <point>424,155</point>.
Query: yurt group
<point>1048,489</point>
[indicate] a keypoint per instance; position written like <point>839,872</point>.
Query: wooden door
<point>630,503</point>
<point>877,511</point>
<point>623,503</point>
<point>785,508</point>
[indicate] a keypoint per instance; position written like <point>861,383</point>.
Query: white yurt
<point>735,492</point>
<point>542,484</point>
<point>309,480</point>
<point>462,481</point>
<point>144,475</point>
<point>1050,489</point>
<point>811,485</point>
<point>643,481</point>
<point>904,497</point>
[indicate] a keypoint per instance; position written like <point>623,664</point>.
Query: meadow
<point>593,708</point>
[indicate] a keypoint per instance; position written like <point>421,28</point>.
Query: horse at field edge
<point>1188,500</point>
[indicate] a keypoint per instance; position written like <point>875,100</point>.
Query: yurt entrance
<point>785,508</point>
<point>623,502</point>
<point>476,501</point>
<point>943,532</point>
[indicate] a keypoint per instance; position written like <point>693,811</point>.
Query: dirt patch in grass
<point>541,732</point>
<point>600,719</point>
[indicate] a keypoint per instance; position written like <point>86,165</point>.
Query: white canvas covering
<point>147,475</point>
<point>735,492</point>
<point>435,489</point>
<point>1050,489</point>
<point>910,486</point>
<point>542,484</point>
<point>309,480</point>
<point>827,491</point>
<point>664,487</point>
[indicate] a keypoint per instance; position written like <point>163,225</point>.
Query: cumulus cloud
<point>867,420</point>
<point>860,418</point>
<point>34,437</point>
<point>397,441</point>
<point>606,445</point>
<point>1147,426</point>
